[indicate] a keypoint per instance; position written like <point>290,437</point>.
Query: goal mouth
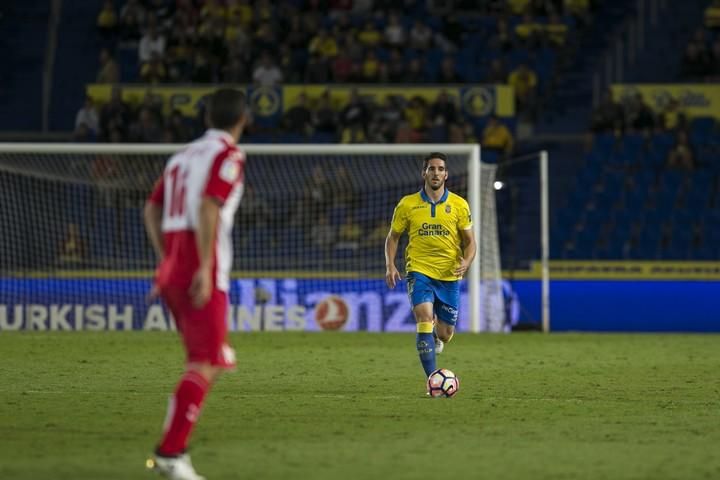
<point>312,224</point>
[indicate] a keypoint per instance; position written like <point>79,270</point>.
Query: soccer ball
<point>442,383</point>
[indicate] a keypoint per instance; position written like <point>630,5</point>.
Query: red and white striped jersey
<point>211,166</point>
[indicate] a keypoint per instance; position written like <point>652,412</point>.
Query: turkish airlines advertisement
<point>262,304</point>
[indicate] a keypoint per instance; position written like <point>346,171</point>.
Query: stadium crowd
<point>324,42</point>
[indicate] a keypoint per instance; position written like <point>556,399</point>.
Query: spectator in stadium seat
<point>395,66</point>
<point>681,156</point>
<point>344,195</point>
<point>497,73</point>
<point>497,137</point>
<point>114,114</point>
<point>638,115</point>
<point>448,72</point>
<point>354,49</point>
<point>377,234</point>
<point>528,32</point>
<point>443,111</point>
<point>354,133</point>
<point>369,36</point>
<point>153,71</point>
<point>316,70</point>
<point>322,234</point>
<point>555,31</point>
<point>695,63</point>
<point>88,116</point>
<point>296,37</point>
<point>107,20</point>
<point>83,134</point>
<point>151,42</point>
<point>608,116</point>
<point>700,40</point>
<point>254,210</point>
<point>147,129</point>
<point>386,119</point>
<point>317,195</point>
<point>163,10</point>
<point>265,38</point>
<point>264,11</point>
<point>371,67</point>
<point>324,116</point>
<point>178,129</point>
<point>132,19</point>
<point>267,74</point>
<point>712,15</point>
<point>213,9</point>
<point>72,248</point>
<point>673,117</point>
<point>236,36</point>
<point>202,70</point>
<point>518,7</point>
<point>415,71</point>
<point>235,71</point>
<point>343,69</point>
<point>416,114</point>
<point>420,35</point>
<point>502,39</point>
<point>343,26</point>
<point>715,52</point>
<point>323,45</point>
<point>109,71</point>
<point>524,81</point>
<point>394,32</point>
<point>580,10</point>
<point>349,234</point>
<point>298,119</point>
<point>356,112</point>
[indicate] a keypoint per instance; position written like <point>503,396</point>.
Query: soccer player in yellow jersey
<point>440,248</point>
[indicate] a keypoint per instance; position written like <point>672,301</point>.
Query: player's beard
<point>436,187</point>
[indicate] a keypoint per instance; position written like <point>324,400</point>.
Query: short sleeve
<point>465,217</point>
<point>399,221</point>
<point>226,172</point>
<point>157,196</point>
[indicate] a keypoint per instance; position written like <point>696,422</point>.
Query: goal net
<point>308,238</point>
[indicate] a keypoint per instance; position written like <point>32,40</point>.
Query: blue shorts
<point>444,295</point>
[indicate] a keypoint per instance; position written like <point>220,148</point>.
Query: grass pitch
<point>352,406</point>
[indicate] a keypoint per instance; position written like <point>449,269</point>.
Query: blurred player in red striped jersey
<point>189,218</point>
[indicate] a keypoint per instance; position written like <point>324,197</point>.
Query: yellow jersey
<point>434,245</point>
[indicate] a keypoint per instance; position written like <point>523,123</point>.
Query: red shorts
<point>204,330</point>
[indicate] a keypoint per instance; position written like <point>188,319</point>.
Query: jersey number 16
<point>177,179</point>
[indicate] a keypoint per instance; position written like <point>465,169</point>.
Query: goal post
<point>57,197</point>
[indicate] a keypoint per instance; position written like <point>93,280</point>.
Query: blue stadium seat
<point>604,143</point>
<point>633,145</point>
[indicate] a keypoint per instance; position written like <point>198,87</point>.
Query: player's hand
<point>392,276</point>
<point>462,268</point>
<point>153,293</point>
<point>200,288</point>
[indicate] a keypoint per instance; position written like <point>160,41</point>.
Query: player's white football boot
<point>439,344</point>
<point>174,468</point>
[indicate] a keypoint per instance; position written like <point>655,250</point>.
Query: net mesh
<point>308,227</point>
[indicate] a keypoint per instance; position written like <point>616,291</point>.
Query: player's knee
<point>421,318</point>
<point>445,335</point>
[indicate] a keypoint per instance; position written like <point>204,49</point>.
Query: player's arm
<point>225,173</point>
<point>392,275</point>
<point>398,225</point>
<point>469,250</point>
<point>152,216</point>
<point>201,286</point>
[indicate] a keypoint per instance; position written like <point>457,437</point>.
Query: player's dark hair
<point>225,108</point>
<point>432,155</point>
